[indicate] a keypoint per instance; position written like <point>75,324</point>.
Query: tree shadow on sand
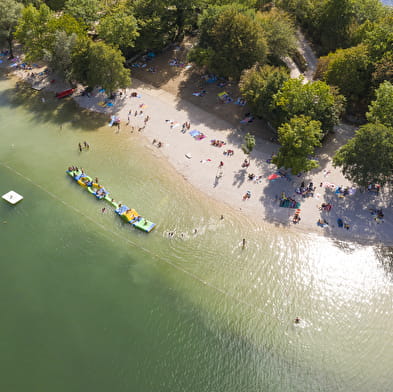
<point>271,201</point>
<point>162,69</point>
<point>230,114</point>
<point>46,108</point>
<point>356,214</point>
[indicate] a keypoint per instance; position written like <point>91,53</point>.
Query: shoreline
<point>197,162</point>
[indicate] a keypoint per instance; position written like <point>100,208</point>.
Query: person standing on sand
<point>243,243</point>
<point>80,147</point>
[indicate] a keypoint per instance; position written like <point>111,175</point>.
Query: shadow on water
<point>45,108</point>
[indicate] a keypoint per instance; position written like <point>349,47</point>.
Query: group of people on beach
<point>159,144</point>
<point>185,127</point>
<point>246,163</point>
<point>217,143</point>
<point>306,191</point>
<point>325,207</point>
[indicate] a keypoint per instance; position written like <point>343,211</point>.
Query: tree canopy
<point>84,10</point>
<point>381,110</point>
<point>279,30</point>
<point>349,70</point>
<point>258,86</point>
<point>335,18</point>
<point>38,28</point>
<point>298,139</point>
<point>32,30</point>
<point>315,100</point>
<point>118,28</point>
<point>383,70</point>
<point>231,40</point>
<point>379,37</point>
<point>368,156</point>
<point>106,67</point>
<point>10,12</point>
<point>60,55</point>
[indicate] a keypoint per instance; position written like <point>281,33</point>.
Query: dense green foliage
<point>279,30</point>
<point>381,110</point>
<point>349,70</point>
<point>378,36</point>
<point>32,30</point>
<point>10,11</point>
<point>105,67</point>
<point>368,157</point>
<point>231,40</point>
<point>315,100</point>
<point>233,37</point>
<point>258,86</point>
<point>249,142</point>
<point>334,23</point>
<point>298,139</point>
<point>84,10</point>
<point>161,22</point>
<point>99,64</point>
<point>383,70</point>
<point>62,41</point>
<point>118,28</point>
<point>357,38</point>
<point>60,55</point>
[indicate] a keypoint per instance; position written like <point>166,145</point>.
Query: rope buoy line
<point>149,252</point>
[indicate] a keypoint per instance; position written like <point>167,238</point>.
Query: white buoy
<point>12,197</point>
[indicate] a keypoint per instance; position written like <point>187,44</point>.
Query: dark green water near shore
<point>89,304</point>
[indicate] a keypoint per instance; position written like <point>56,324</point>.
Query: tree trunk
<point>10,40</point>
<point>180,20</point>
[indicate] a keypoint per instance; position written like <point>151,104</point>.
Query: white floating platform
<point>12,197</point>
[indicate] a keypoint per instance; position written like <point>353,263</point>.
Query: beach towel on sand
<point>194,133</point>
<point>197,135</point>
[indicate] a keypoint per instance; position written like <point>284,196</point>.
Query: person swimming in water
<point>297,320</point>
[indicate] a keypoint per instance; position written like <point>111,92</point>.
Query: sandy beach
<point>198,161</point>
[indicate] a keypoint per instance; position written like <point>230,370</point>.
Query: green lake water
<point>90,304</point>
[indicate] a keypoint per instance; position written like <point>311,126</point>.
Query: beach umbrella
<point>273,176</point>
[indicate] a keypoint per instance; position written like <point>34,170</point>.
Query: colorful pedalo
<point>129,215</point>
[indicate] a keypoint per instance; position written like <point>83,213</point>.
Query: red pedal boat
<point>65,93</point>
